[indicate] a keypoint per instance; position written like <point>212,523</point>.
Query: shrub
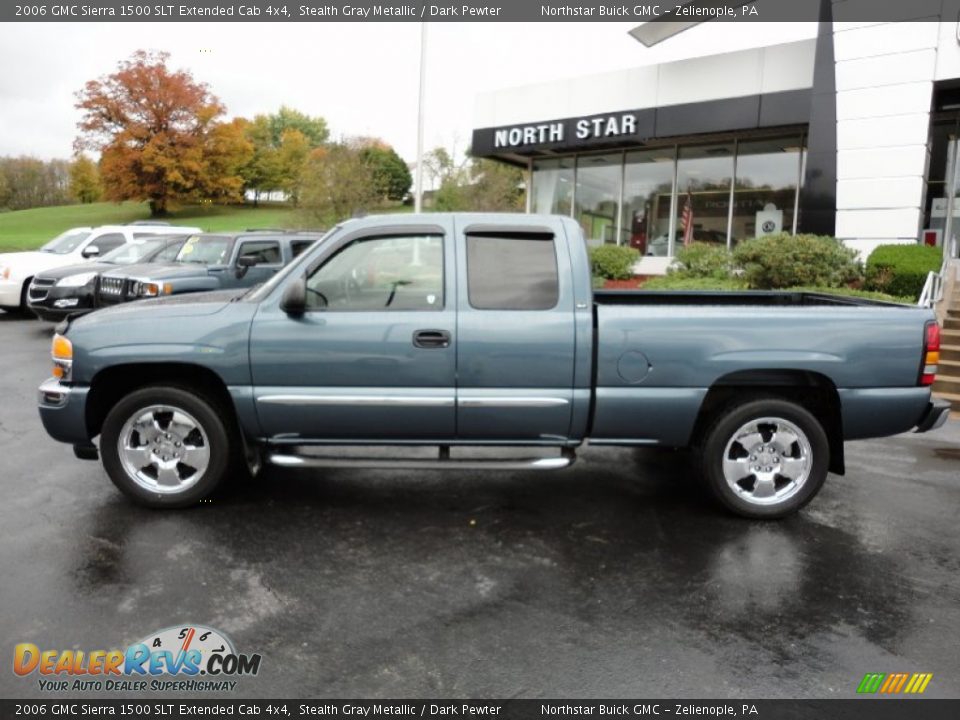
<point>678,282</point>
<point>613,262</point>
<point>902,269</point>
<point>703,260</point>
<point>784,260</point>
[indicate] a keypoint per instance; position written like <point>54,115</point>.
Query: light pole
<point>418,178</point>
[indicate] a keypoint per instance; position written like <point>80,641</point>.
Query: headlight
<point>62,353</point>
<point>76,280</point>
<point>152,289</point>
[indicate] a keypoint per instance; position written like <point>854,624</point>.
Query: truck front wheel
<point>765,458</point>
<point>166,446</point>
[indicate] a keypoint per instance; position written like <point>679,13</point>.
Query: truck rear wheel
<point>166,447</point>
<point>765,458</point>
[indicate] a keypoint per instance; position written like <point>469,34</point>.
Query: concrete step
<point>950,337</point>
<point>947,385</point>
<point>951,323</point>
<point>949,352</point>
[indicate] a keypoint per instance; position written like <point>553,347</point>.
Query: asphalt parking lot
<point>616,578</point>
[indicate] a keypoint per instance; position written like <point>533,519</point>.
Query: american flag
<point>686,220</point>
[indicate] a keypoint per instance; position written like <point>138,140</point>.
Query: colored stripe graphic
<point>894,683</point>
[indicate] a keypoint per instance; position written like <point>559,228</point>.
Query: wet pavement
<point>615,578</point>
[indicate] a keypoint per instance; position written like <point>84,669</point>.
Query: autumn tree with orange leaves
<point>160,136</point>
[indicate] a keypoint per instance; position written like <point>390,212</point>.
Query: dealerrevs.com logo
<point>182,658</point>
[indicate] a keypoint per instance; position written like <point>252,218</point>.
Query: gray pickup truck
<point>206,262</point>
<point>465,332</point>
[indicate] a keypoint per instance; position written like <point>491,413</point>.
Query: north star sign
<point>583,129</point>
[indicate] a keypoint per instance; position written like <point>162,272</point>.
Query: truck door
<point>516,336</point>
<point>373,358</point>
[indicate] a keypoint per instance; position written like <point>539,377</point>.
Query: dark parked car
<point>207,262</point>
<point>71,290</point>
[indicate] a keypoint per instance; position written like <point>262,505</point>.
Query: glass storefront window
<point>765,190</point>
<point>631,197</point>
<point>552,191</point>
<point>704,175</point>
<point>598,196</point>
<point>647,194</point>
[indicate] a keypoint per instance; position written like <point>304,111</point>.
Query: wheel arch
<point>111,384</point>
<point>812,390</point>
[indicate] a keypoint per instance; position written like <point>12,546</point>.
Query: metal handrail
<point>932,292</point>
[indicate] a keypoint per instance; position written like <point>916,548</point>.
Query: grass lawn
<point>29,229</point>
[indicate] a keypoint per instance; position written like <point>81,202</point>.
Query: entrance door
<point>373,358</point>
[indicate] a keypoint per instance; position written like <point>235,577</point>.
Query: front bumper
<point>59,302</point>
<point>63,411</point>
<point>935,415</point>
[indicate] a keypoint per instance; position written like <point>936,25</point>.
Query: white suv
<point>75,245</point>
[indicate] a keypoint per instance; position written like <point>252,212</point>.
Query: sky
<point>361,77</point>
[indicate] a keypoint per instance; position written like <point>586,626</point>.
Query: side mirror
<point>90,251</point>
<point>294,299</point>
<point>244,263</point>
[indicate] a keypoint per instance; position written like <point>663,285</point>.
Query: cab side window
<point>512,271</point>
<point>267,252</point>
<point>381,273</point>
<point>110,241</point>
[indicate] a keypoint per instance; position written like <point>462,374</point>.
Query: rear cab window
<point>512,270</point>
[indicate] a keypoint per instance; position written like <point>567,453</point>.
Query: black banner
<point>676,11</point>
<point>868,709</point>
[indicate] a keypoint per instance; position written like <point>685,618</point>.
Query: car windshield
<point>206,250</point>
<point>132,252</point>
<point>66,243</point>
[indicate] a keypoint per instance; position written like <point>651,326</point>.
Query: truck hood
<point>165,271</point>
<point>147,311</point>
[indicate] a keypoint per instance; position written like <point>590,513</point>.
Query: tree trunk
<point>158,207</point>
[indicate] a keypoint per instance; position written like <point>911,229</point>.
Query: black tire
<point>222,445</point>
<point>726,425</point>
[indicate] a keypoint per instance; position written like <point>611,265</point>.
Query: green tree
<point>391,174</point>
<point>281,143</point>
<point>292,157</point>
<point>336,184</point>
<point>314,129</point>
<point>84,180</point>
<point>475,185</point>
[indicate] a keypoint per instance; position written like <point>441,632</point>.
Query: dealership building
<point>853,133</point>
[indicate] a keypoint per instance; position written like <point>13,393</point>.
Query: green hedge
<point>784,260</point>
<point>703,260</point>
<point>675,282</point>
<point>613,262</point>
<point>679,282</point>
<point>902,269</point>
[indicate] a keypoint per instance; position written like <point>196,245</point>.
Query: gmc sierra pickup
<point>483,330</point>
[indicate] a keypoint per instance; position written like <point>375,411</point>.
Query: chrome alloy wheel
<point>163,449</point>
<point>767,461</point>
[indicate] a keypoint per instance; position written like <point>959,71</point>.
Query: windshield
<point>66,243</point>
<point>206,250</point>
<point>132,252</point>
<point>258,293</point>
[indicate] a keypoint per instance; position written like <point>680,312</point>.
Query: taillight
<point>931,354</point>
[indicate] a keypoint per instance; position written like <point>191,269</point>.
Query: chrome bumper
<point>52,394</point>
<point>935,416</point>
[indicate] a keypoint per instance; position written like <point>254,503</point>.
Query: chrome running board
<point>442,462</point>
